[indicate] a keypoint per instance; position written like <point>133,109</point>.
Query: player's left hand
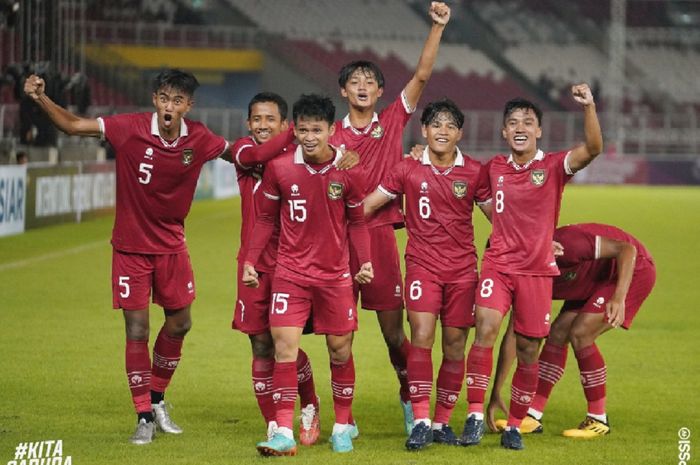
<point>496,403</point>
<point>366,274</point>
<point>615,312</point>
<point>250,276</point>
<point>557,249</point>
<point>416,152</point>
<point>350,159</point>
<point>439,13</point>
<point>582,94</point>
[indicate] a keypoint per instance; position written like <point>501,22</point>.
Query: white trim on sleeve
<point>270,196</point>
<point>567,167</point>
<point>384,191</point>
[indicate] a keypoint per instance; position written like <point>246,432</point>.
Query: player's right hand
<point>250,276</point>
<point>439,13</point>
<point>495,403</point>
<point>366,274</point>
<point>34,87</point>
<point>416,152</point>
<point>557,249</point>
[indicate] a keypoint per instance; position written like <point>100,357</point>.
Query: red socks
<point>262,370</point>
<point>138,374</point>
<point>420,380</point>
<point>305,376</point>
<point>449,384</point>
<point>522,391</point>
<point>399,360</point>
<point>343,386</point>
<point>166,356</point>
<point>552,362</point>
<point>285,388</point>
<point>593,378</point>
<point>479,366</point>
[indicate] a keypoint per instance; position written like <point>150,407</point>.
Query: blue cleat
<point>445,435</point>
<point>407,409</point>
<point>473,431</point>
<point>279,446</point>
<point>511,439</point>
<point>421,437</point>
<point>342,442</point>
<point>354,431</point>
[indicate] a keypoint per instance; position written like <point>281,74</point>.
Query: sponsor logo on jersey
<point>424,186</point>
<point>335,190</point>
<point>149,154</point>
<point>499,183</point>
<point>295,190</point>
<point>537,177</point>
<point>459,189</point>
<point>187,156</point>
<point>599,302</point>
<point>569,276</point>
<point>377,132</point>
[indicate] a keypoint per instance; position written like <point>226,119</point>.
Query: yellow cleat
<point>528,426</point>
<point>588,429</point>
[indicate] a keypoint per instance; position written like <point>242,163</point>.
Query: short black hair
<point>433,109</point>
<point>365,66</point>
<point>519,103</point>
<point>264,97</point>
<point>176,79</point>
<point>314,106</point>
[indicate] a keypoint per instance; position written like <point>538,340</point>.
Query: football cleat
<point>445,435</point>
<point>421,437</point>
<point>473,431</point>
<point>342,442</point>
<point>162,419</point>
<point>511,439</point>
<point>279,446</point>
<point>145,432</point>
<point>588,429</point>
<point>407,409</point>
<point>354,431</point>
<point>529,425</point>
<point>309,424</point>
<point>271,429</point>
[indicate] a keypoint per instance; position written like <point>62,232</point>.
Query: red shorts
<point>385,292</point>
<point>251,315</point>
<point>530,296</point>
<point>453,303</point>
<point>333,307</point>
<point>642,283</point>
<point>134,275</point>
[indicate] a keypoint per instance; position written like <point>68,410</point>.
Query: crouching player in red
<point>606,274</point>
<point>159,158</point>
<point>441,269</point>
<point>320,211</point>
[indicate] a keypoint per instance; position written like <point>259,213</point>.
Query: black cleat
<point>445,435</point>
<point>473,431</point>
<point>511,439</point>
<point>420,438</point>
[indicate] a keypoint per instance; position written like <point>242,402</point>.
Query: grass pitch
<point>63,372</point>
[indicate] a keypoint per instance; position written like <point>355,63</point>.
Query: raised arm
<point>64,120</point>
<point>625,254</point>
<point>582,155</point>
<point>440,14</point>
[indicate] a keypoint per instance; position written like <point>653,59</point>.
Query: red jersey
<point>582,269</point>
<point>249,181</point>
<point>318,208</point>
<point>439,205</point>
<point>380,146</point>
<point>156,180</point>
<point>526,203</point>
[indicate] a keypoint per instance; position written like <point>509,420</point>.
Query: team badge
<point>377,132</point>
<point>459,189</point>
<point>537,177</point>
<point>570,276</point>
<point>187,156</point>
<point>335,190</point>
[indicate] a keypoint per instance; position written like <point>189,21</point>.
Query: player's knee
<point>422,337</point>
<point>486,333</point>
<point>340,355</point>
<point>394,338</point>
<point>137,330</point>
<point>580,337</point>
<point>179,328</point>
<point>262,347</point>
<point>527,349</point>
<point>558,335</point>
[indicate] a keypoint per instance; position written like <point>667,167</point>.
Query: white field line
<point>50,256</point>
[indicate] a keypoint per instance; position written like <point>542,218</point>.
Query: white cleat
<point>145,432</point>
<point>162,419</point>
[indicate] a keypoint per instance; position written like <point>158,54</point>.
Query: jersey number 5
<point>145,173</point>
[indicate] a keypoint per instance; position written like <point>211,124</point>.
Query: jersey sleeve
<point>399,110</point>
<point>579,245</point>
<point>393,183</point>
<point>357,226</point>
<point>249,154</point>
<point>565,171</point>
<point>482,191</point>
<point>214,145</point>
<point>267,218</point>
<point>116,129</point>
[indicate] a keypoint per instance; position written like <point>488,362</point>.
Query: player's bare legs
<point>343,387</point>
<point>391,325</point>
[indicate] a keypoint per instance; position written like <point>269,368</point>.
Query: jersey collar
<point>365,131</point>
<point>299,160</point>
<point>539,156</point>
<point>425,160</point>
<point>154,131</point>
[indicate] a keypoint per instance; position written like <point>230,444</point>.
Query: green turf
<point>62,353</point>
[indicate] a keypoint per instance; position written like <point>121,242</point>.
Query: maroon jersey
<point>380,146</point>
<point>249,181</point>
<point>439,204</point>
<point>156,180</point>
<point>318,208</point>
<point>582,269</point>
<point>526,201</point>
